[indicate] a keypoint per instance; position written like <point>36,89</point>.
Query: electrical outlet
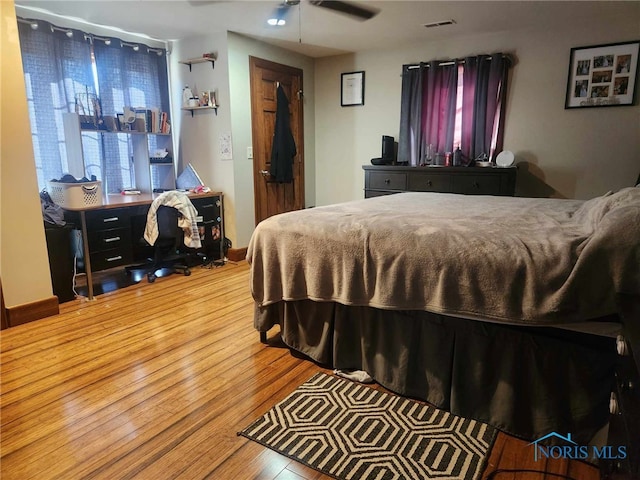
<point>249,153</point>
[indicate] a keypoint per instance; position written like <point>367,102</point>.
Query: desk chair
<point>166,245</point>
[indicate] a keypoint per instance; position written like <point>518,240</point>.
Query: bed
<point>500,309</point>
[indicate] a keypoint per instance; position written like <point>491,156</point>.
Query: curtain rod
<point>140,38</point>
<point>450,62</point>
<point>90,37</point>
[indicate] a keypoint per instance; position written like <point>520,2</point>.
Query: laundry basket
<point>76,195</point>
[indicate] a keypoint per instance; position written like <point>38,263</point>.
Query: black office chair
<point>166,259</point>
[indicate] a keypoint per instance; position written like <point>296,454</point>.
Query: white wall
<point>24,265</point>
<point>577,153</point>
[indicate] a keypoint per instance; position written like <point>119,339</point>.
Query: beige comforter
<point>518,260</point>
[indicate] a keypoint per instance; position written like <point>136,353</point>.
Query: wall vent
<point>441,23</point>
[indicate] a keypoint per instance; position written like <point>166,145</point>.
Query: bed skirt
<point>526,381</point>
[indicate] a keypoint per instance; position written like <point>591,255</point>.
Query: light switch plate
<point>249,153</point>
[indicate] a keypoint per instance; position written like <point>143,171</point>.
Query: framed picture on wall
<point>602,75</point>
<point>352,89</point>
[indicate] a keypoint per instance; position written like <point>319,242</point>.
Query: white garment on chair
<point>181,202</point>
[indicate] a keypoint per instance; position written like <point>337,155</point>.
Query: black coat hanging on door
<point>284,147</point>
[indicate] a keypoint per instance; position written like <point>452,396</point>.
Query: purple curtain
<point>439,106</point>
<point>410,140</point>
<point>483,93</point>
<point>498,79</point>
<point>428,107</point>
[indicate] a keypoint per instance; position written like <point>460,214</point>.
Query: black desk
<point>111,232</point>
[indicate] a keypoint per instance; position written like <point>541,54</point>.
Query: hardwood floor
<point>154,381</point>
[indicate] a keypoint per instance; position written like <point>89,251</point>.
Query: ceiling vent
<point>441,23</point>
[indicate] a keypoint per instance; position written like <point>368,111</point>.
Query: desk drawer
<point>111,258</point>
<point>109,239</point>
<point>387,181</point>
<point>208,208</point>
<point>476,184</point>
<point>425,182</point>
<point>109,218</point>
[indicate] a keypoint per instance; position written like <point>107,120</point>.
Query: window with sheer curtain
<point>458,103</point>
<point>60,65</point>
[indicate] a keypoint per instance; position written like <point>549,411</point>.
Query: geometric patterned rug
<point>349,431</point>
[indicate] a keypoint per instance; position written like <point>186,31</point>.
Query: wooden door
<point>272,198</point>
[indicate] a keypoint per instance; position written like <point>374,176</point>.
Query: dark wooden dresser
<point>387,179</point>
<point>624,424</point>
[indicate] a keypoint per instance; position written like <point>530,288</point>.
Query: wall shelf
<point>191,109</point>
<point>192,61</point>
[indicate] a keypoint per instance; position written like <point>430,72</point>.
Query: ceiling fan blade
<point>348,8</point>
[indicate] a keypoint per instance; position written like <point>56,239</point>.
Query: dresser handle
<point>387,181</point>
<point>613,404</point>
<point>621,346</point>
<point>476,185</point>
<point>110,219</point>
<point>113,259</point>
<point>429,184</point>
<point>626,385</point>
<point>111,239</point>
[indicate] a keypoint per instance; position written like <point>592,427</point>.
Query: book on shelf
<point>151,120</point>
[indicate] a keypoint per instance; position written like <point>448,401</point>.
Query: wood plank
<point>155,381</point>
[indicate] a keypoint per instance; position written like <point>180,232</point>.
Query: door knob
<point>265,173</point>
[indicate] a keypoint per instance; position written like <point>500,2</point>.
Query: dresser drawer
<point>109,239</point>
<point>114,257</point>
<point>387,181</point>
<point>425,182</point>
<point>476,184</point>
<point>109,218</point>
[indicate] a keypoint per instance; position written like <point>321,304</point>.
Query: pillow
<point>593,211</point>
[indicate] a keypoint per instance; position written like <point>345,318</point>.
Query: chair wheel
<point>151,277</point>
<point>187,272</point>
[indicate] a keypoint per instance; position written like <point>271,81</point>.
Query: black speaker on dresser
<point>388,149</point>
<point>388,152</point>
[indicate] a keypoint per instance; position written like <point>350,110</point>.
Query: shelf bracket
<point>190,63</point>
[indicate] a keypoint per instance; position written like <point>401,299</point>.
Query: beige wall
<point>24,266</point>
<point>578,153</point>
